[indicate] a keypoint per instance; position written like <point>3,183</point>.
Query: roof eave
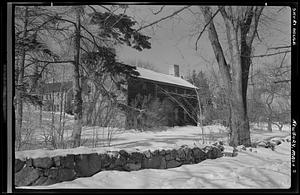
<point>165,83</point>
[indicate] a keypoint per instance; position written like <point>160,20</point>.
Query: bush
<point>146,113</point>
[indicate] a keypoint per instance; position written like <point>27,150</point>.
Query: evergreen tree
<point>95,31</point>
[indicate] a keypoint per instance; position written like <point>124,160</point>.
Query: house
<point>58,96</point>
<point>150,99</point>
<point>173,91</point>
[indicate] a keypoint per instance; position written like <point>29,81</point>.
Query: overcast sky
<point>173,40</point>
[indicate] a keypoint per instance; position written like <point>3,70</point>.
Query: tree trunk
<point>53,134</point>
<point>200,116</point>
<point>60,116</point>
<point>269,102</point>
<point>240,30</point>
<point>19,101</point>
<point>34,80</point>
<point>91,109</point>
<point>64,119</point>
<point>41,116</point>
<point>239,123</point>
<point>269,124</point>
<point>77,91</point>
<point>240,129</point>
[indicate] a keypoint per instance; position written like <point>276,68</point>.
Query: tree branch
<point>282,81</point>
<point>164,18</point>
<point>227,22</point>
<point>56,62</point>
<point>161,8</point>
<point>122,16</point>
<point>92,8</point>
<point>253,27</point>
<point>37,27</point>
<point>271,54</point>
<point>206,26</point>
<point>105,8</point>
<point>256,32</point>
<point>279,47</point>
<point>281,64</point>
<point>217,48</point>
<point>62,19</point>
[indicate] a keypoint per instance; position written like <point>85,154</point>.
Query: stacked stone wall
<point>51,170</point>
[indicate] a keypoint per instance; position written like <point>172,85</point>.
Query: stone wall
<point>47,171</point>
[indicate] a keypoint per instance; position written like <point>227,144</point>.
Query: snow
<point>251,168</point>
<point>260,169</point>
<point>155,76</point>
<point>132,140</point>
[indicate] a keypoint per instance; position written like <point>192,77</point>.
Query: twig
<point>161,8</point>
<point>280,47</point>
<point>282,81</point>
<point>281,64</point>
<point>256,32</point>
<point>122,16</point>
<point>271,54</point>
<point>179,103</point>
<point>164,18</point>
<point>54,62</point>
<point>93,8</point>
<point>105,8</point>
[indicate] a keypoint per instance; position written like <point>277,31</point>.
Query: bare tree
<point>30,22</point>
<point>112,29</point>
<point>20,82</point>
<point>241,27</point>
<point>77,90</point>
<point>273,88</point>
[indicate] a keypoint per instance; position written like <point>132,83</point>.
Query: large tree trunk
<point>240,30</point>
<point>240,59</point>
<point>77,91</point>
<point>239,123</point>
<point>20,84</point>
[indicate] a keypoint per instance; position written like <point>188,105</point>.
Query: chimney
<point>174,70</point>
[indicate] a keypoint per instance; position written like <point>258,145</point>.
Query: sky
<point>173,40</point>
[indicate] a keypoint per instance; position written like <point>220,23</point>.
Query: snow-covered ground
<point>170,138</point>
<point>259,168</point>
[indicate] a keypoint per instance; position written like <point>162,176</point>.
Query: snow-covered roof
<point>164,78</point>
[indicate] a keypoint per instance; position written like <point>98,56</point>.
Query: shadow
<point>133,144</point>
<point>152,141</point>
<point>187,172</point>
